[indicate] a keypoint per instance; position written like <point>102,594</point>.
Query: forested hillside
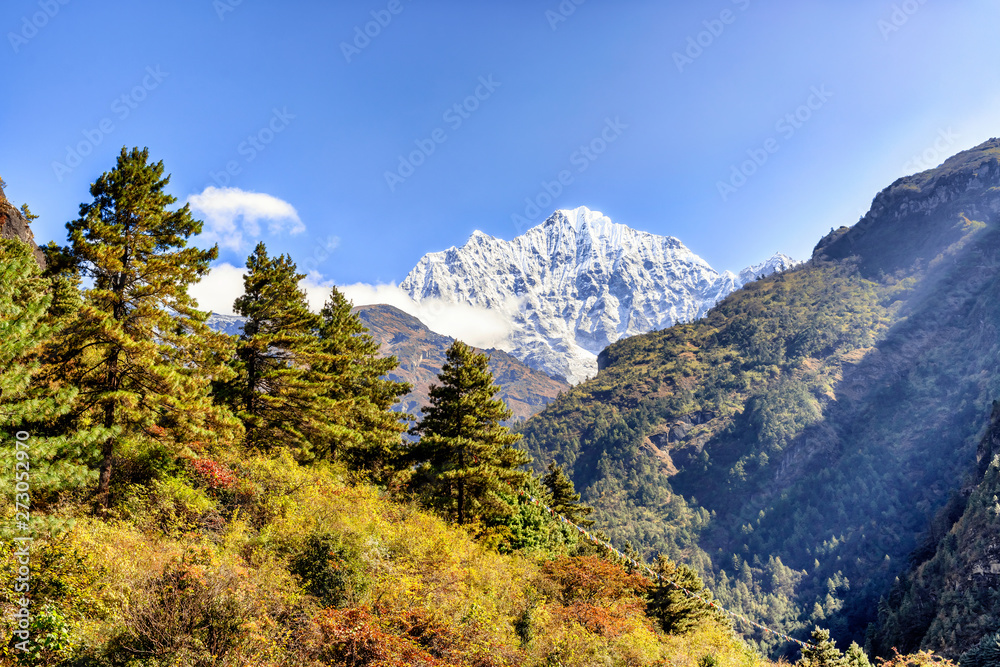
<point>183,497</point>
<point>795,444</point>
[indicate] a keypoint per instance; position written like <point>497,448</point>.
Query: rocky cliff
<point>13,225</point>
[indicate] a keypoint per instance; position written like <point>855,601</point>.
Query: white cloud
<point>233,215</point>
<point>217,291</point>
<point>479,327</point>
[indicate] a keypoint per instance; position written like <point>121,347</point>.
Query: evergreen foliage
<point>823,653</point>
<point>55,462</point>
<point>276,394</point>
<point>985,654</point>
<point>677,611</point>
<point>27,214</point>
<point>357,378</point>
<point>466,458</point>
<point>138,349</point>
<point>856,656</point>
<point>563,498</point>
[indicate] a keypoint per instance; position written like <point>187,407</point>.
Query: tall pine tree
<point>677,611</point>
<point>355,378</point>
<point>466,456</point>
<point>138,348</point>
<point>824,652</point>
<point>563,498</point>
<point>61,461</point>
<point>281,400</point>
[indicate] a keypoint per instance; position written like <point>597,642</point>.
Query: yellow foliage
<point>426,591</point>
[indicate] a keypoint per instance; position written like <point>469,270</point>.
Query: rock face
<point>14,226</point>
<point>576,283</point>
<point>421,354</point>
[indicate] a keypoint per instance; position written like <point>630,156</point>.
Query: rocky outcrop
<point>13,225</point>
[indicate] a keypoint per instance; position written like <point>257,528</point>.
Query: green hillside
<point>177,497</point>
<point>795,444</point>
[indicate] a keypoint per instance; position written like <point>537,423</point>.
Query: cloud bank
<point>233,216</point>
<point>477,326</point>
<point>480,327</point>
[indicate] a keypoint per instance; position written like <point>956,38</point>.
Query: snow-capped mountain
<point>576,283</point>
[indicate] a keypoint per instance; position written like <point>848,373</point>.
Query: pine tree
<point>355,377</point>
<point>56,463</point>
<point>985,654</point>
<point>280,400</point>
<point>138,348</point>
<point>670,601</point>
<point>824,654</point>
<point>466,456</point>
<point>563,498</point>
<point>856,656</point>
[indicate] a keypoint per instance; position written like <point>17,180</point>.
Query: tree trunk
<point>461,488</point>
<point>102,499</point>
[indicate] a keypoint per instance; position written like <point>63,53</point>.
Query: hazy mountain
<point>421,353</point>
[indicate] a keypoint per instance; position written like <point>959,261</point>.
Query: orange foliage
<point>213,473</point>
<point>591,579</point>
<point>355,637</point>
<point>921,659</point>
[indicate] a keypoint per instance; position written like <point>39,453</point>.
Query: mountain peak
<point>576,283</point>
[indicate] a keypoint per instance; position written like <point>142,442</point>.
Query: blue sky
<point>833,99</point>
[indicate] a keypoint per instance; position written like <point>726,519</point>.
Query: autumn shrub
<point>919,659</point>
<point>331,569</point>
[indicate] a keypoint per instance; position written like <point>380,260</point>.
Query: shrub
<point>330,569</point>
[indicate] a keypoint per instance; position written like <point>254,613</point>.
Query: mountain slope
<point>421,353</point>
<point>794,443</point>
<point>951,597</point>
<point>577,283</point>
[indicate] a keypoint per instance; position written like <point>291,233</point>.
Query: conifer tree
<point>355,378</point>
<point>280,400</point>
<point>138,348</point>
<point>856,656</point>
<point>466,456</point>
<point>824,652</point>
<point>563,497</point>
<point>60,462</point>
<point>984,654</point>
<point>677,611</point>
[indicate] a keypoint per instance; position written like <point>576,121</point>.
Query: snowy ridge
<point>576,283</point>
